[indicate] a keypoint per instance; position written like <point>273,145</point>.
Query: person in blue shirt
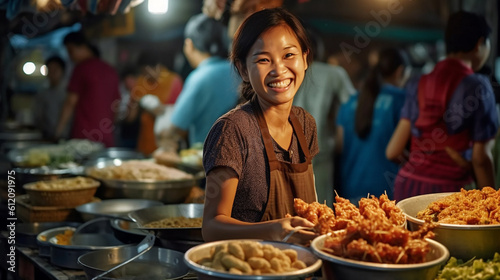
<point>209,91</point>
<point>365,125</point>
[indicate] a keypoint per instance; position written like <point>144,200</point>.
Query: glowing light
<point>158,6</point>
<point>29,68</point>
<point>43,70</point>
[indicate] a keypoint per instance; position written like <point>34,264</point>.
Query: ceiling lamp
<point>158,6</point>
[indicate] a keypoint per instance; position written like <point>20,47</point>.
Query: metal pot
<point>188,210</point>
<point>157,263</point>
<point>166,191</point>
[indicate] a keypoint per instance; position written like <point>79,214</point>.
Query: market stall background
<point>346,33</point>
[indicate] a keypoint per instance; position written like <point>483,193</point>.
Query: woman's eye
<point>288,55</point>
<point>262,60</point>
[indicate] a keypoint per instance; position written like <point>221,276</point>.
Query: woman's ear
<point>188,45</point>
<point>479,44</point>
<point>243,71</point>
<point>304,57</point>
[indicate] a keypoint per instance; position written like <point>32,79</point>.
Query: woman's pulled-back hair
<point>253,27</point>
<point>389,61</point>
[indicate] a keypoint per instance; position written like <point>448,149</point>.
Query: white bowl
<point>201,251</point>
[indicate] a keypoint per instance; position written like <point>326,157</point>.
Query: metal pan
<point>97,235</point>
<point>114,207</point>
<point>157,263</point>
<point>188,210</point>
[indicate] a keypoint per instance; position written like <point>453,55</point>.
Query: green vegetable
<point>471,270</point>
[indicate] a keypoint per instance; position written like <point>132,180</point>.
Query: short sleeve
<point>188,104</point>
<point>224,147</point>
<point>479,103</point>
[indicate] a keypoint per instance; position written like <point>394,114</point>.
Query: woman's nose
<point>279,68</point>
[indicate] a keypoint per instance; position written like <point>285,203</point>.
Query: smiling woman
<point>258,156</point>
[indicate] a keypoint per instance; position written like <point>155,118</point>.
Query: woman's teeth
<point>281,84</point>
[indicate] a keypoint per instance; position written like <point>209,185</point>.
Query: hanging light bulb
<point>29,67</point>
<point>158,6</point>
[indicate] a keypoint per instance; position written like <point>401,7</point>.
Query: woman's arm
<point>400,137</point>
<point>217,221</point>
<point>482,163</point>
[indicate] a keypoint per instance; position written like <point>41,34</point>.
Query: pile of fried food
<point>140,170</point>
<point>74,183</point>
<point>472,207</point>
<point>175,222</point>
<point>374,232</point>
<point>251,258</point>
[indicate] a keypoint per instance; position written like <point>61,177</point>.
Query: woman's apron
<point>287,180</point>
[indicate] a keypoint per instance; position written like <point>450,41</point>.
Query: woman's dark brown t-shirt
<point>235,141</point>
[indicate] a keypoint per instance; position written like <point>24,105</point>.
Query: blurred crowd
<point>381,127</point>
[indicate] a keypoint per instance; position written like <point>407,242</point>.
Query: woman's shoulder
<point>240,116</point>
<point>303,116</point>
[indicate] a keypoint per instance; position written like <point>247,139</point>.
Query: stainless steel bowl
<point>166,191</point>
<point>338,268</point>
<point>114,207</point>
<point>201,251</point>
<point>157,263</point>
<point>26,233</point>
<point>151,214</point>
<point>43,238</point>
<point>463,241</point>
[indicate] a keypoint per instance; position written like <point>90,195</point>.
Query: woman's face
<point>275,65</point>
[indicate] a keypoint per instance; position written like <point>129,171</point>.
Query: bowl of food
<point>157,263</point>
<point>338,267</point>
<point>171,221</point>
<point>468,222</point>
<point>251,259</point>
<point>144,179</point>
<point>68,192</point>
<point>60,233</point>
